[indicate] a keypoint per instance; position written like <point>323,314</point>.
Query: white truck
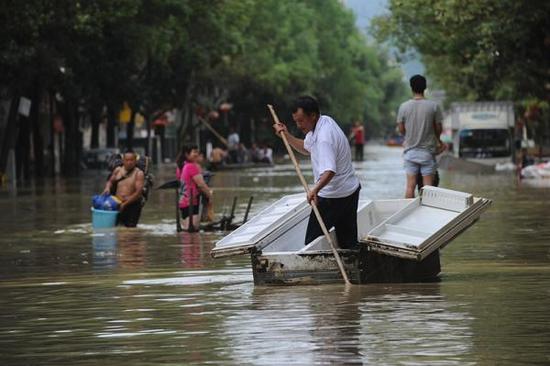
<point>482,131</point>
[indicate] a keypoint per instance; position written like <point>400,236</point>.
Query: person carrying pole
<point>336,188</point>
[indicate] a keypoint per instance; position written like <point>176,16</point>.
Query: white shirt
<point>233,141</point>
<point>268,154</point>
<point>329,150</point>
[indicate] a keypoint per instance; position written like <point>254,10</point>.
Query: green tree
<point>83,56</point>
<point>477,50</point>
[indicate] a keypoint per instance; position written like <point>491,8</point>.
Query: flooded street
<point>71,296</point>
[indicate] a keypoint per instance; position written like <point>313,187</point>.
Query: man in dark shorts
<point>127,182</point>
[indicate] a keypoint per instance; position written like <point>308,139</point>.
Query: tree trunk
<point>130,131</point>
<point>38,141</point>
<point>51,109</point>
<point>10,133</point>
<point>22,151</point>
<point>78,141</point>
<point>148,121</point>
<point>67,127</point>
<point>71,161</point>
<point>111,124</point>
<point>95,120</point>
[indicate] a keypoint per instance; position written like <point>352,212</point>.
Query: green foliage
<point>185,53</point>
<point>315,48</point>
<point>477,50</point>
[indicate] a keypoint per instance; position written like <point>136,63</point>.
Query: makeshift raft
<point>225,223</point>
<point>399,239</point>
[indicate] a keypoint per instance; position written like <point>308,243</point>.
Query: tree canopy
<point>476,50</point>
<point>193,54</point>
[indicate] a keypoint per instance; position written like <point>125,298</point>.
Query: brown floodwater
<point>150,295</point>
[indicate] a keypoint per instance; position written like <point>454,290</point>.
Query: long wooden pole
<point>220,137</point>
<point>312,203</point>
<point>178,223</point>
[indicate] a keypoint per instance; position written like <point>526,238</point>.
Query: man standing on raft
<point>336,189</point>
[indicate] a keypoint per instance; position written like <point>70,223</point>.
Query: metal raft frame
<point>400,240</point>
<point>264,228</point>
<point>466,207</point>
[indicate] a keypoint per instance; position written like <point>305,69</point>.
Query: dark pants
<point>340,213</point>
<point>160,131</point>
<point>233,157</point>
<point>359,152</point>
<point>129,217</point>
<point>185,211</point>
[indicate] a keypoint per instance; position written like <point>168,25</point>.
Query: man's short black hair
<point>308,104</point>
<point>418,84</point>
<point>129,151</point>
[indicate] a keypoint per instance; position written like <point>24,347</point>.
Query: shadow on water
<point>128,248</point>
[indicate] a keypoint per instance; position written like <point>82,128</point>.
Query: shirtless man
<point>217,156</point>
<point>128,182</point>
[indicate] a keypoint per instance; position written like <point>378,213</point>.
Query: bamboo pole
<point>220,137</point>
<point>312,203</point>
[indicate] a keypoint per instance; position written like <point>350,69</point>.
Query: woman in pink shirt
<point>192,183</point>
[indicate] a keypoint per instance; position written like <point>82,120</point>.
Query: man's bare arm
<point>109,184</point>
<point>296,143</point>
<point>324,179</point>
<point>438,128</point>
<point>201,184</point>
<point>401,128</point>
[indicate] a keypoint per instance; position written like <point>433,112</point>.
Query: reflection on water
<point>124,248</point>
<point>74,296</point>
<point>363,324</point>
<point>127,248</point>
<point>105,250</point>
<point>131,248</point>
<point>192,250</point>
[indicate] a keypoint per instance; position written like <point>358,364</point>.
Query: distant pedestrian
<point>256,154</point>
<point>217,157</point>
<point>267,153</point>
<point>358,136</point>
<point>243,155</point>
<point>159,125</point>
<point>233,142</point>
<point>420,121</point>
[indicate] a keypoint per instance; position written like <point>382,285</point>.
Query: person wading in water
<point>126,182</point>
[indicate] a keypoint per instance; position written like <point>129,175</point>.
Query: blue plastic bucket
<point>103,219</point>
